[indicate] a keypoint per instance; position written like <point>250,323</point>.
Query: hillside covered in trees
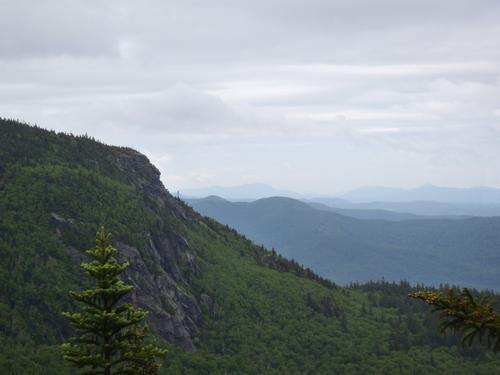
<point>220,303</point>
<point>461,251</point>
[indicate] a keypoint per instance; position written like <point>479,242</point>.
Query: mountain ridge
<point>346,249</point>
<point>238,192</point>
<point>219,302</point>
<point>425,200</point>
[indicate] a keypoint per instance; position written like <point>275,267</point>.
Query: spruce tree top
<point>110,338</point>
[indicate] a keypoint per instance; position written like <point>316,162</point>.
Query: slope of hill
<point>433,251</point>
<point>224,305</point>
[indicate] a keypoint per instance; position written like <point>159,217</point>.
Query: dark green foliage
<point>275,323</point>
<point>267,315</point>
<point>110,339</point>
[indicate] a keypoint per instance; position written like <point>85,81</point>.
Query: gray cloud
<point>54,28</point>
<point>311,95</point>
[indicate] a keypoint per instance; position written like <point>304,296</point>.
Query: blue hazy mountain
<point>239,192</point>
<point>379,214</point>
<point>420,208</point>
<point>476,195</point>
<point>433,251</point>
<point>426,200</point>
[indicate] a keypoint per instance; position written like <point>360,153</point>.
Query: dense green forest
<point>261,313</point>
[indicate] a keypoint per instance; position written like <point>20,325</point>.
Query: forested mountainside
<point>431,251</point>
<point>222,304</point>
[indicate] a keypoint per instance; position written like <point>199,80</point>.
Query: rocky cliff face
<point>160,270</point>
<point>175,314</point>
<point>76,184</point>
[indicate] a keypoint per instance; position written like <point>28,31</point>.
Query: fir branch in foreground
<point>462,314</point>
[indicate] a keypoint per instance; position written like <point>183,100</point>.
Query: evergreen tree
<point>110,337</point>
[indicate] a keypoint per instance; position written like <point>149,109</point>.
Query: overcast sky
<point>312,96</point>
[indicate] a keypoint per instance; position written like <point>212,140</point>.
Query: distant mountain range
<point>365,194</point>
<point>465,251</point>
<point>419,208</point>
<point>239,192</point>
<point>384,214</point>
<point>478,195</point>
<point>427,200</point>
